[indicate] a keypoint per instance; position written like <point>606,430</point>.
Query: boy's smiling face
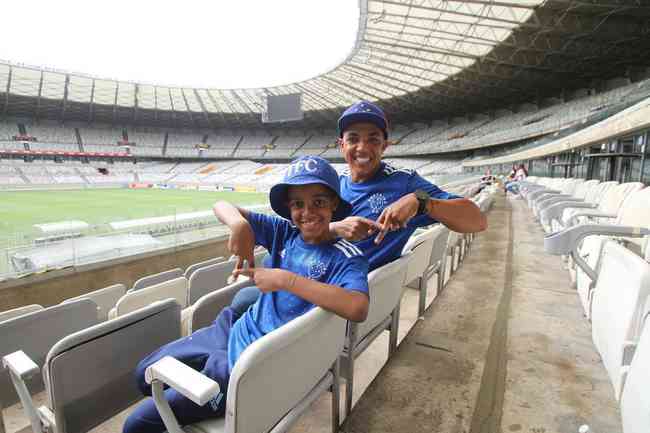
<point>312,207</point>
<point>363,145</point>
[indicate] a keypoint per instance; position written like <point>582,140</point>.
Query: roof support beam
<point>155,104</point>
<point>231,106</point>
<point>219,112</point>
<point>38,98</point>
<point>65,97</point>
<point>171,103</point>
<point>406,18</point>
<point>91,103</point>
<point>136,102</point>
<point>343,86</point>
<point>491,16</point>
<point>117,91</point>
<point>7,89</point>
<point>513,5</point>
<point>187,106</point>
<point>326,92</point>
<point>242,102</point>
<point>203,109</point>
<point>395,44</point>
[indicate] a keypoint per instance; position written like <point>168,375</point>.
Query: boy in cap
<point>309,266</point>
<point>385,200</point>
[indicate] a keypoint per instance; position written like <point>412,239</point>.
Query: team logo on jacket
<point>317,270</point>
<point>377,203</point>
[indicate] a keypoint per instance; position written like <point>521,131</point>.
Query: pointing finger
<point>373,225</point>
<point>382,233</point>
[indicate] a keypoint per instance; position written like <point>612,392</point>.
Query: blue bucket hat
<point>308,170</point>
<point>363,111</point>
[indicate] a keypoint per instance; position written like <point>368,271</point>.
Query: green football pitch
<point>19,211</point>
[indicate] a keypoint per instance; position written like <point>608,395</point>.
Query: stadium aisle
<point>504,349</point>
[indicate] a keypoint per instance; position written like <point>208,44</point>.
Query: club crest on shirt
<point>377,203</point>
<point>317,270</point>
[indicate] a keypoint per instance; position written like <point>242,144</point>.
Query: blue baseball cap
<point>308,170</point>
<point>363,111</point>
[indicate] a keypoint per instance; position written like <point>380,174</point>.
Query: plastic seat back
<point>151,280</point>
<point>584,187</point>
<point>596,192</point>
<point>438,253</point>
<point>570,186</point>
<point>175,289</point>
<point>35,333</point>
<point>614,197</point>
<point>314,341</point>
<point>620,295</point>
<point>82,398</point>
<point>20,311</point>
<point>207,307</point>
<point>386,286</point>
<point>207,279</point>
<point>191,268</point>
<point>635,212</point>
<point>635,401</point>
<point>105,299</point>
<point>421,246</point>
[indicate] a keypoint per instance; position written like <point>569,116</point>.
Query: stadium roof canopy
<point>421,59</point>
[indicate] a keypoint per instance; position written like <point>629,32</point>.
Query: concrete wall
<point>50,288</point>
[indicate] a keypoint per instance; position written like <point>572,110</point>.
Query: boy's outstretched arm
<point>348,304</point>
<point>242,238</point>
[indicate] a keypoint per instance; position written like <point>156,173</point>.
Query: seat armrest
<point>545,204</point>
<point>567,241</point>
<point>555,210</point>
<point>591,213</point>
<point>21,367</point>
<point>20,364</point>
<point>189,382</point>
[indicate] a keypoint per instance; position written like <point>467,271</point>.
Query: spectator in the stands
<point>311,267</point>
<point>389,203</point>
<point>519,173</point>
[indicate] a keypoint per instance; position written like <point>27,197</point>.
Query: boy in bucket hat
<point>309,266</point>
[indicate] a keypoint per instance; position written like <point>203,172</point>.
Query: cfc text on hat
<point>308,170</point>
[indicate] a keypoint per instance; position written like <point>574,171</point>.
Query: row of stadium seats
<point>602,230</point>
<point>460,132</point>
<point>60,337</point>
<point>228,173</point>
<point>529,122</point>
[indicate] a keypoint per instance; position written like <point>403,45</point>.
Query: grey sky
<point>224,44</point>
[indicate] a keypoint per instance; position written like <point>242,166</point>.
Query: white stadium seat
<point>175,289</point>
<point>635,400</point>
<point>314,340</point>
<point>82,398</point>
<point>386,285</point>
<point>619,298</point>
